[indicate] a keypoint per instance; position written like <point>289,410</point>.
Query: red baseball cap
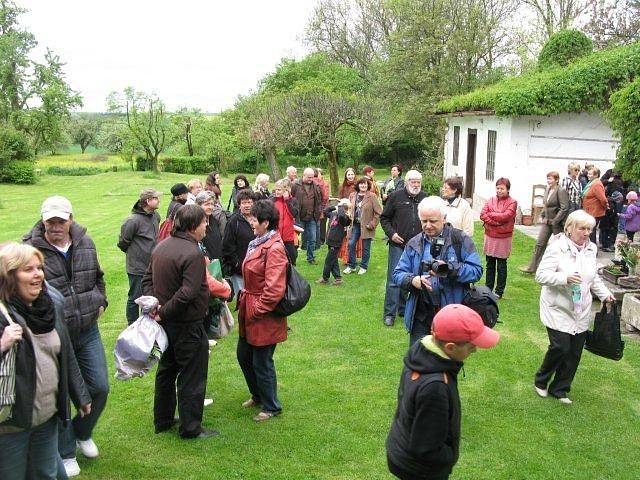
<point>458,323</point>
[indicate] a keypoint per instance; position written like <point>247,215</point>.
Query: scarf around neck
<point>587,187</point>
<point>40,316</point>
<point>253,244</point>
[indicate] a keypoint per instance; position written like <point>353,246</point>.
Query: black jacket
<point>138,237</point>
<point>212,240</point>
<point>237,236</point>
<point>400,214</point>
<point>176,277</point>
<point>82,285</point>
<point>70,382</point>
<point>338,223</point>
<point>174,206</point>
<point>425,432</point>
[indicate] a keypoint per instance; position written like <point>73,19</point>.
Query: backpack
<point>479,298</point>
<point>165,229</point>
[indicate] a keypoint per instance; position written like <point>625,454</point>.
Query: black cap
<point>179,189</point>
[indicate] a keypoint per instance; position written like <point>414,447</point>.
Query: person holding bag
<point>46,371</point>
<point>264,272</point>
<point>567,274</point>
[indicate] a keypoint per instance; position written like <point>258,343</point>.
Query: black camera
<point>439,268</point>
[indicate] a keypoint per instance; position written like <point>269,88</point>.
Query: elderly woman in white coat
<point>568,275</point>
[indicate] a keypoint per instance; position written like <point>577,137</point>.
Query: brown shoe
<point>250,403</point>
<point>338,281</point>
<point>264,416</point>
<point>322,281</point>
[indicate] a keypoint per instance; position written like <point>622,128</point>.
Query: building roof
<point>584,85</point>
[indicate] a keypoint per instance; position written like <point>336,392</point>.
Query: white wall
<point>528,147</point>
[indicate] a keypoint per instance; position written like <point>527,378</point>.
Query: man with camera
<point>436,267</point>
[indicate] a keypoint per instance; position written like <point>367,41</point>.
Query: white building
<point>482,147</point>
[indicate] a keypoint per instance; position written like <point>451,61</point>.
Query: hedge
<point>624,116</point>
<point>195,164</point>
<point>584,85</point>
<point>21,172</point>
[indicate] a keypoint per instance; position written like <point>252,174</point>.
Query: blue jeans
<point>31,453</point>
<point>394,298</point>
<point>310,234</point>
<point>135,291</point>
<point>356,231</point>
<point>89,351</point>
<point>260,374</point>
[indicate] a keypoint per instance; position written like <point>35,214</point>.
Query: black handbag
<point>605,339</point>
<point>296,295</point>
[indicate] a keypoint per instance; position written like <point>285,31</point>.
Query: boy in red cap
<point>425,434</point>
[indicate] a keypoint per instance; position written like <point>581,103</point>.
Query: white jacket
<point>460,215</point>
<point>560,260</point>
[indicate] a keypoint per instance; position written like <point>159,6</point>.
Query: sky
<point>199,54</point>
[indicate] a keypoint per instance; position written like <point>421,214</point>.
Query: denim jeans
<point>356,231</point>
<point>310,233</point>
<point>89,351</point>
<point>394,298</point>
<point>31,453</point>
<point>331,264</point>
<point>135,291</point>
<point>260,374</point>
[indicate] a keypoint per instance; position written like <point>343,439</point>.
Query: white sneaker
<point>88,448</point>
<point>347,270</point>
<point>71,467</point>
<point>208,401</point>
<point>565,401</point>
<point>212,343</point>
<point>541,392</point>
<point>362,271</point>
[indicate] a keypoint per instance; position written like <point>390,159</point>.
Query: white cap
<point>56,206</point>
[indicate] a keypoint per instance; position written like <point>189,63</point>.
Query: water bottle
<point>576,296</point>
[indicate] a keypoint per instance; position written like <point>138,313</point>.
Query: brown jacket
<point>300,195</point>
<point>370,213</point>
<point>595,201</point>
<point>556,208</point>
<point>177,278</point>
<point>264,272</point>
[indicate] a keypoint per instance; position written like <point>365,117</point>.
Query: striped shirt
<point>572,187</point>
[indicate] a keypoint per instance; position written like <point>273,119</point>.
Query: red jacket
<point>595,202</point>
<point>265,281</point>
<point>499,217</point>
<point>287,218</point>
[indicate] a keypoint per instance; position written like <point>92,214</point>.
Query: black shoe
<point>312,262</point>
<point>388,321</point>
<point>168,426</point>
<point>207,433</point>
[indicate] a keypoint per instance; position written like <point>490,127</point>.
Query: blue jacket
<point>451,289</point>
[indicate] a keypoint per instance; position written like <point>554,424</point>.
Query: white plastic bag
<point>226,320</point>
<point>141,344</point>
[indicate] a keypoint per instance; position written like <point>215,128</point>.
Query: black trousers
<point>491,274</point>
<point>331,264</point>
<point>422,320</point>
<point>562,358</point>
<point>592,236</point>
<point>292,252</point>
<point>404,475</point>
<point>185,363</point>
<point>259,372</point>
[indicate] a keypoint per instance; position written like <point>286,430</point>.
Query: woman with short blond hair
<point>33,333</point>
<point>568,275</point>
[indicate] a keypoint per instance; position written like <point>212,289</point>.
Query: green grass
<point>338,376</point>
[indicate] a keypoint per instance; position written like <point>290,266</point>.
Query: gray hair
<point>204,196</point>
<point>577,219</point>
<point>291,168</point>
<point>309,171</point>
<point>433,203</point>
<point>413,175</point>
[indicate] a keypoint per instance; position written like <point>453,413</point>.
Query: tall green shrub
<point>16,157</point>
<point>563,47</point>
<point>624,117</point>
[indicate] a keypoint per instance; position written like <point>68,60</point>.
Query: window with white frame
<point>491,154</point>
<point>456,145</point>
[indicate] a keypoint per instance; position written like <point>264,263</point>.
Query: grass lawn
<point>338,375</point>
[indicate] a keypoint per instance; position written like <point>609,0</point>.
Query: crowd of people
<point>52,293</point>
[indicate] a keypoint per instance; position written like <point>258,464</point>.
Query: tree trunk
<point>187,137</point>
<point>332,160</point>
<point>83,147</point>
<point>154,164</point>
<point>270,154</point>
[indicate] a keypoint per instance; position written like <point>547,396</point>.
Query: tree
<point>554,15</point>
<point>613,22</point>
<point>146,119</point>
<point>83,130</point>
<point>34,96</point>
<point>187,120</point>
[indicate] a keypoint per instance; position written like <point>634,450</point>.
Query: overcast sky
<point>191,53</point>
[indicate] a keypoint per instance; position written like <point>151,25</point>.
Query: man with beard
<point>138,237</point>
<point>400,222</point>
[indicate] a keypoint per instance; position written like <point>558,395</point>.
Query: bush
<point>16,158</point>
<point>21,172</point>
<point>77,171</point>
<point>563,47</point>
<point>188,165</point>
<point>624,116</point>
<point>143,164</point>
